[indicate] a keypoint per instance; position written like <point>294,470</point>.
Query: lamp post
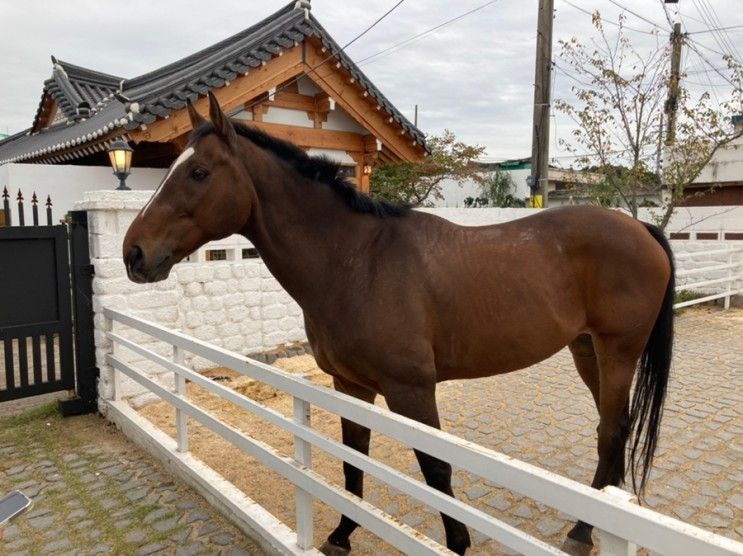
<point>120,154</point>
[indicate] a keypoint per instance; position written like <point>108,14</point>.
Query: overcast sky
<point>474,76</point>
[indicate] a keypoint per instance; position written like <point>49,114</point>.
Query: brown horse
<point>396,301</point>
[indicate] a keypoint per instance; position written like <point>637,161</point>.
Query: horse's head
<point>206,195</point>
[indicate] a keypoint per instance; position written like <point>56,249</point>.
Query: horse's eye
<point>199,174</point>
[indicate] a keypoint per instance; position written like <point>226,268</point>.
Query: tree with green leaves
<point>620,95</point>
<point>420,184</point>
<point>498,190</point>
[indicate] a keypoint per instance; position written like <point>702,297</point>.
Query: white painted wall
<point>286,116</point>
<point>339,120</point>
<point>455,194</point>
<point>726,165</point>
<point>66,184</point>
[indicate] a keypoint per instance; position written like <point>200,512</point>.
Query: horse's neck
<point>303,231</point>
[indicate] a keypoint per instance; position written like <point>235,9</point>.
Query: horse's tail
<point>652,380</point>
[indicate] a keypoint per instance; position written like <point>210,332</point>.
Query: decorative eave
<point>99,107</point>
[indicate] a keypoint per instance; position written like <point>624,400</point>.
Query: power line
<point>332,54</point>
<point>730,28</point>
<point>653,23</point>
<point>610,22</point>
<point>426,32</point>
<point>710,22</point>
<point>693,46</point>
<point>720,29</point>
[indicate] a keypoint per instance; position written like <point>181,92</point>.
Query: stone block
<point>227,329</point>
<point>273,312</point>
<point>215,288</point>
<point>203,272</point>
<point>213,317</point>
<point>206,332</point>
<point>223,272</point>
<point>194,319</point>
<point>193,289</point>
<point>201,303</point>
<point>184,272</point>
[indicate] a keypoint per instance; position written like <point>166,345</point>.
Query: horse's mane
<point>315,168</point>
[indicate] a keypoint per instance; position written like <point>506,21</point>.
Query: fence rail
<point>622,524</point>
<point>732,269</point>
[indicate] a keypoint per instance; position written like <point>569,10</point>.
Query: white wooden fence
<point>623,525</point>
<point>729,273</point>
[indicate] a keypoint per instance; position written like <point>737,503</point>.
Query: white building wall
<point>286,116</point>
<point>66,184</point>
<point>726,165</point>
<point>455,194</point>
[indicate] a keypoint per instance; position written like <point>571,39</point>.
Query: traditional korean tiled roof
<point>100,107</point>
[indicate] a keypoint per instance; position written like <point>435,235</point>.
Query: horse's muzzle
<point>137,270</point>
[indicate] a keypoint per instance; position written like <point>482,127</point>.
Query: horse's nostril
<point>134,258</point>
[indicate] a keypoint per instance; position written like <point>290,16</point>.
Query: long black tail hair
<point>652,379</point>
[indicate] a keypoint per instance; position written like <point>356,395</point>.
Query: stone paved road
<point>545,416</point>
<point>95,493</point>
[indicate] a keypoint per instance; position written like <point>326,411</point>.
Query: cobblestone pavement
<point>95,493</point>
<point>545,416</point>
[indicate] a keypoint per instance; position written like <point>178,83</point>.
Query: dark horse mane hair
<point>318,169</point>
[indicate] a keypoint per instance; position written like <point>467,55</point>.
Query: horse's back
<point>505,296</point>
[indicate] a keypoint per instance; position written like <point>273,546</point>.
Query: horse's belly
<point>482,355</point>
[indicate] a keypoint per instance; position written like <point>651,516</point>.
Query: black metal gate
<point>39,332</point>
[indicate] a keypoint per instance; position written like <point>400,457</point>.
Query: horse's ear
<point>196,118</point>
<point>222,123</point>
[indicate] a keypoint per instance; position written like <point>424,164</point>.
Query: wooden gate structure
<point>46,332</point>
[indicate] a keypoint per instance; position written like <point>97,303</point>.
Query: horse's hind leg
<point>584,356</point>
<point>357,437</point>
<point>419,403</point>
<point>617,360</point>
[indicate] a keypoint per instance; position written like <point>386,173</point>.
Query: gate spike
<point>34,200</point>
<point>48,201</point>
<point>5,193</point>
<point>20,196</point>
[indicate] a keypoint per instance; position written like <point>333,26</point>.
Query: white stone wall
<point>236,304</point>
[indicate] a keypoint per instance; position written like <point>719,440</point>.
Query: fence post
<point>35,209</point>
<point>181,419</point>
<point>48,210</point>
<point>730,280</point>
<point>108,326</point>
<point>6,207</point>
<point>21,214</point>
<point>611,545</point>
<point>303,499</point>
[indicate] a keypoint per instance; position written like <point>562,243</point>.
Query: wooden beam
<point>350,97</point>
<point>307,137</point>
<point>255,83</point>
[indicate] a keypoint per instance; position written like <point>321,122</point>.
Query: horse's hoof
<point>581,532</point>
<point>330,549</point>
<point>576,548</point>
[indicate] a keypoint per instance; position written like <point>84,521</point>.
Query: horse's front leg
<point>357,437</point>
<point>418,402</point>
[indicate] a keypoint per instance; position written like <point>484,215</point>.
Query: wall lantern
<point>120,154</point>
<point>367,170</point>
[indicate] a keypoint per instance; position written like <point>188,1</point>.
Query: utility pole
<point>539,179</point>
<point>677,39</point>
